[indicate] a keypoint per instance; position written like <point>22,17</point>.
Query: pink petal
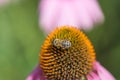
<point>88,13</point>
<point>48,14</point>
<point>93,76</point>
<point>100,73</point>
<point>67,15</point>
<point>36,74</point>
<point>81,13</point>
<point>94,10</point>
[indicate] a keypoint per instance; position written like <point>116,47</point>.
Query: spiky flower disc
<point>66,54</point>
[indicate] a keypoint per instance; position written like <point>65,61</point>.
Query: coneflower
<point>67,54</point>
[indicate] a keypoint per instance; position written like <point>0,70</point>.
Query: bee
<point>62,43</point>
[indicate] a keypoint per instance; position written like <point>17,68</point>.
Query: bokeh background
<point>21,38</point>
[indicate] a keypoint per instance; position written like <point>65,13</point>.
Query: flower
<point>6,2</point>
<point>99,73</point>
<point>3,2</point>
<point>68,54</point>
<point>81,13</point>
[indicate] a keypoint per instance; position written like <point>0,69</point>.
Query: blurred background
<point>21,38</point>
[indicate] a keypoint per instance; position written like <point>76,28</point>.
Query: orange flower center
<point>66,54</point>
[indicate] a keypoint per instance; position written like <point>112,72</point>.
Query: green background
<point>21,38</point>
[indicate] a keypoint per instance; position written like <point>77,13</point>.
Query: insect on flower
<point>62,43</point>
<point>67,54</point>
<point>74,58</point>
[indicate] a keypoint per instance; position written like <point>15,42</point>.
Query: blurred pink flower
<point>7,2</point>
<point>3,2</point>
<point>98,73</point>
<point>81,13</point>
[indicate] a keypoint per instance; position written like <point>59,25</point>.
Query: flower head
<point>67,54</point>
<point>81,13</point>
